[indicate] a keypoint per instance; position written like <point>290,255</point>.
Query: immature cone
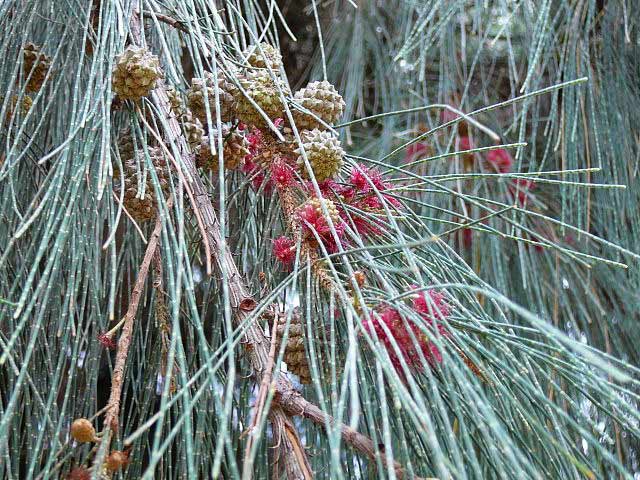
<point>134,170</point>
<point>82,431</point>
<point>25,105</point>
<point>294,354</point>
<point>321,99</point>
<point>263,56</point>
<point>136,73</point>
<point>192,127</point>
<point>126,146</point>
<point>235,149</point>
<point>35,67</point>
<point>265,92</point>
<point>116,460</point>
<point>324,152</point>
<point>197,101</point>
<point>79,473</point>
<point>175,100</point>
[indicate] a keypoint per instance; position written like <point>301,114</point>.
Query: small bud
<point>79,473</point>
<point>106,341</point>
<point>82,431</point>
<point>247,304</point>
<point>116,460</point>
<point>360,278</point>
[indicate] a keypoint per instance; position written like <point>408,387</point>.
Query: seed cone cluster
<point>324,152</point>
<point>264,91</point>
<point>235,149</point>
<point>294,354</point>
<point>175,101</point>
<point>139,194</point>
<point>136,73</point>
<point>322,100</point>
<point>35,67</point>
<point>263,56</point>
<point>203,92</point>
<point>192,128</point>
<point>257,98</point>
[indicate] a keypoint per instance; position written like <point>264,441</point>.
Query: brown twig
<point>172,22</point>
<point>247,468</point>
<point>295,404</point>
<point>177,24</point>
<point>117,379</point>
<point>283,429</point>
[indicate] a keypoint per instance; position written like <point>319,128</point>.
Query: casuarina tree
<point>348,239</point>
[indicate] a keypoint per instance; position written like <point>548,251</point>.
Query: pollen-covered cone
<point>203,91</point>
<point>35,67</point>
<point>322,100</point>
<point>294,354</point>
<point>263,56</point>
<point>235,149</point>
<point>139,194</point>
<point>136,73</point>
<point>264,90</point>
<point>324,152</point>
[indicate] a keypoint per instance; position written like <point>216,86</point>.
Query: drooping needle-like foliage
<point>339,239</point>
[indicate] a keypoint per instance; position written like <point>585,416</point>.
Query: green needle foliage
<point>524,350</point>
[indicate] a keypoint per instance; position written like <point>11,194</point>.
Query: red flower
<point>500,159</point>
<point>331,188</point>
<point>311,217</point>
<point>447,115</point>
<point>282,174</point>
<point>411,340</point>
<point>255,140</point>
<point>415,150</point>
<point>467,237</point>
<point>257,174</point>
<point>284,249</point>
<point>433,307</point>
<point>521,187</point>
<point>106,341</point>
<point>363,177</point>
<point>465,143</point>
<point>367,226</point>
<point>329,241</point>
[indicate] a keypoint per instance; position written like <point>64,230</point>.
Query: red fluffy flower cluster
<point>284,249</point>
<point>361,200</point>
<point>413,343</point>
<point>106,341</point>
<point>358,202</point>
